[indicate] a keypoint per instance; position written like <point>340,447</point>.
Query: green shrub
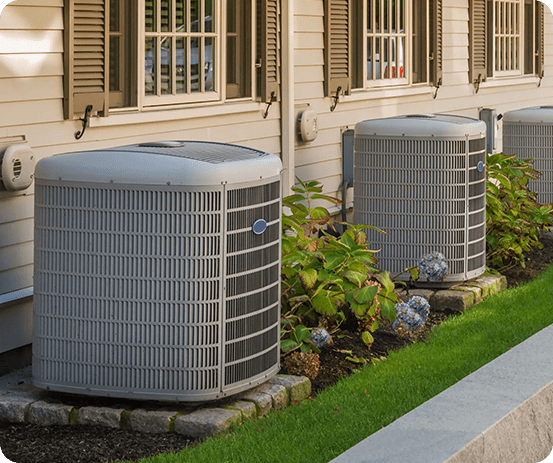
<point>513,216</point>
<point>327,278</point>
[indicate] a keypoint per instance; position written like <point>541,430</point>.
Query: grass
<point>341,416</point>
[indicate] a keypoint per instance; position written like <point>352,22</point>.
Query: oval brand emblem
<point>480,166</point>
<point>259,226</point>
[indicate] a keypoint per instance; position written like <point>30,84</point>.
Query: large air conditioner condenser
<point>157,271</point>
<point>422,180</point>
<point>528,133</point>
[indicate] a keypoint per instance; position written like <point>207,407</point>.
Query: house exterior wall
<point>31,110</point>
<point>322,158</point>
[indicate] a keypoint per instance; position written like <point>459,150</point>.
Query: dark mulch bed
<point>90,444</point>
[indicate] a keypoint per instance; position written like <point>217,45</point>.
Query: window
<point>506,38</point>
<point>190,51</point>
<point>390,42</point>
<point>181,49</point>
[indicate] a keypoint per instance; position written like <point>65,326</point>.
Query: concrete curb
<point>502,413</point>
<point>20,402</point>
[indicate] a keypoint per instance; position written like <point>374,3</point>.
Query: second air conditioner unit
<point>528,133</point>
<point>422,180</point>
<point>157,271</point>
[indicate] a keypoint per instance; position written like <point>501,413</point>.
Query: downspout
<point>288,122</point>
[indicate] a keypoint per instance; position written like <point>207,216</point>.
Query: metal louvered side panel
<point>252,317</point>
<point>419,192</point>
<point>128,291</point>
<point>533,141</point>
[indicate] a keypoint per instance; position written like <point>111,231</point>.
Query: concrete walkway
<point>501,413</point>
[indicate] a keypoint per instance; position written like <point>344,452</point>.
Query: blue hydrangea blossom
<point>420,305</point>
<point>433,266</point>
<point>412,315</point>
<point>320,337</point>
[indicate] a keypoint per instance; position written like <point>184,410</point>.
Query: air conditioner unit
<point>157,271</point>
<point>528,133</point>
<point>422,180</point>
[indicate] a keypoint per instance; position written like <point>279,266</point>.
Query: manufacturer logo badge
<point>259,226</point>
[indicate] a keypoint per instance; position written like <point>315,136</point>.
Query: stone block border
<point>24,403</point>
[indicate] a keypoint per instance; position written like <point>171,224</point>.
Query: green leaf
<point>328,277</point>
<point>308,278</point>
<point>302,333</point>
<point>355,277</point>
<point>415,274</point>
<point>365,295</point>
<point>356,360</point>
<point>367,338</point>
<point>388,309</point>
<point>324,305</point>
<point>288,344</point>
<point>333,260</point>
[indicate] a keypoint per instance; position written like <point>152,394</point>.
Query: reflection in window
<point>179,52</point>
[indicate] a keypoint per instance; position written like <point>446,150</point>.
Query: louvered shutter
<point>269,51</point>
<point>436,34</point>
<point>540,45</point>
<point>337,47</point>
<point>86,56</point>
<point>478,40</point>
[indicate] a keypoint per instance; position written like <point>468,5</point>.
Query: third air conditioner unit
<point>528,133</point>
<point>157,271</point>
<point>422,180</point>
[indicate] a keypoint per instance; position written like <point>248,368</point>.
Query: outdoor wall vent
<point>528,133</point>
<point>422,180</point>
<point>157,271</point>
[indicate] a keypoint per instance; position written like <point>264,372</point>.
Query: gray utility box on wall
<point>157,271</point>
<point>528,133</point>
<point>422,180</point>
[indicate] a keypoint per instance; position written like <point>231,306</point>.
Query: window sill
<point>380,93</point>
<point>165,114</point>
<point>493,82</point>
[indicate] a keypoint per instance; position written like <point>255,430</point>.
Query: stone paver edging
<point>20,402</point>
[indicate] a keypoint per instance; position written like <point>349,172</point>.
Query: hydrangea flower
<point>407,318</point>
<point>420,305</point>
<point>320,337</point>
<point>433,266</point>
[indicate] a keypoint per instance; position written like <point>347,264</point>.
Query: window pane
<point>166,66</point>
<point>180,78</point>
<point>208,61</point>
<point>194,15</point>
<point>180,16</point>
<point>165,16</point>
<point>150,16</point>
<point>150,66</point>
<point>208,15</point>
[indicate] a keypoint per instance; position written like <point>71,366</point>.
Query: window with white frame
<point>506,39</point>
<point>182,40</point>
<point>190,51</point>
<point>396,42</point>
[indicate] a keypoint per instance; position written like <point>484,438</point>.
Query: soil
<point>91,444</point>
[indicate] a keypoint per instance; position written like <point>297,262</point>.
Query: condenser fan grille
<point>156,292</point>
<point>533,140</point>
<point>428,195</point>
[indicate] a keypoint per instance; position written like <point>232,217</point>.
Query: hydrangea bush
<point>327,277</point>
<point>514,218</point>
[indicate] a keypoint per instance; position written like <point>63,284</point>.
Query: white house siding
<point>322,158</point>
<point>31,109</point>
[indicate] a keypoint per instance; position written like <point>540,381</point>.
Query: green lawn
<point>319,430</point>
